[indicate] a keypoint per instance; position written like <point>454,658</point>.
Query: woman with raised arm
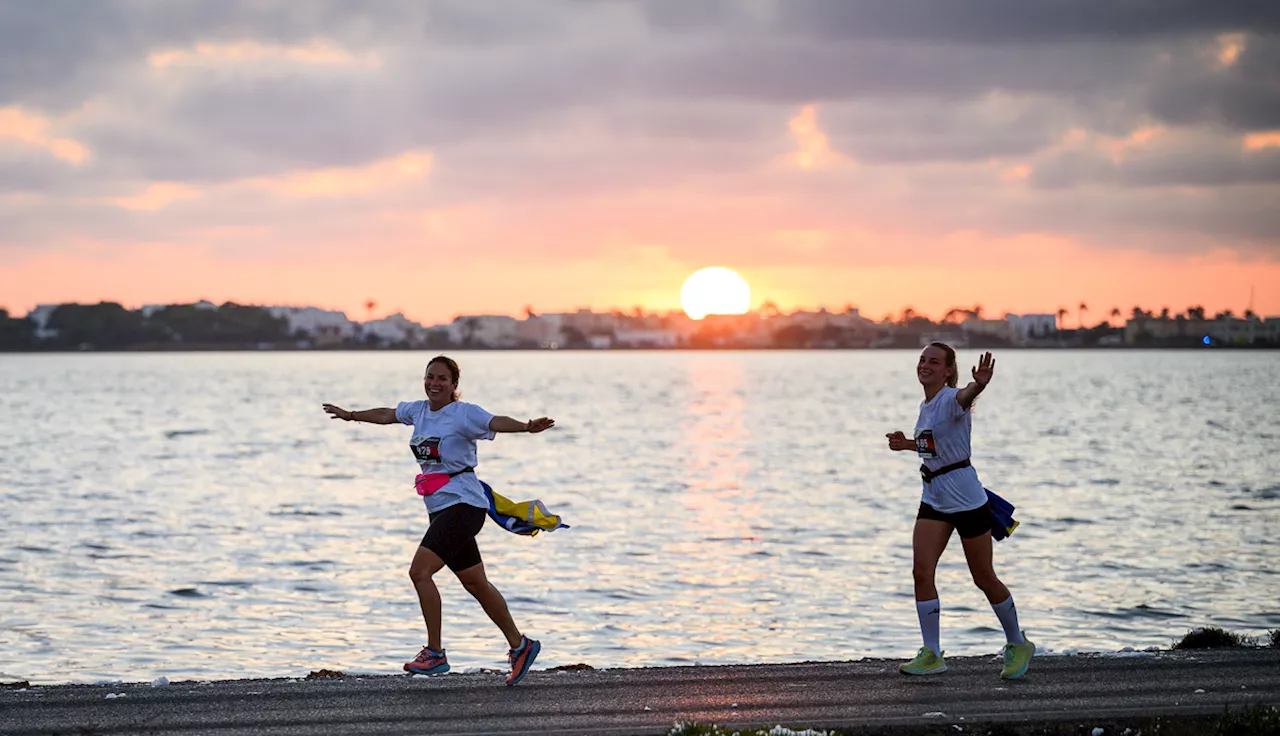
<point>445,431</point>
<point>953,500</point>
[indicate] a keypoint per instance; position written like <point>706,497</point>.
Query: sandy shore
<point>1061,694</point>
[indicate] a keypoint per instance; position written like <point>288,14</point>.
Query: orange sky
<point>1059,276</point>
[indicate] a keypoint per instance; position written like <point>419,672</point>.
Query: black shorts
<point>452,535</point>
<point>970,524</point>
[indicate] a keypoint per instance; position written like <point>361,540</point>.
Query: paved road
<point>867,694</point>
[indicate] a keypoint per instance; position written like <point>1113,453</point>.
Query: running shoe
<point>1017,657</point>
<point>428,662</point>
<point>521,659</point>
<point>925,663</point>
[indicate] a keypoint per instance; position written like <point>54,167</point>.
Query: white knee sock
<point>930,614</point>
<point>1008,616</point>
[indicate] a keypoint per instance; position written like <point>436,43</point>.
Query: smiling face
<point>936,366</point>
<point>440,382</point>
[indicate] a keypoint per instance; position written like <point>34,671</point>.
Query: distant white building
<point>322,325</point>
<point>393,329</point>
<point>487,330</point>
<point>1026,328</point>
<point>546,330</point>
<point>588,322</point>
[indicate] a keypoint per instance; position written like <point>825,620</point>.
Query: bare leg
<point>478,585</point>
<point>977,550</point>
<point>426,564</point>
<point>927,543</point>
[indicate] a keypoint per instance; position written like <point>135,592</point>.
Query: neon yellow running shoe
<point>925,663</point>
<point>1016,659</point>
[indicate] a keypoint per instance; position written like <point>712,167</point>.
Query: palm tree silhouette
<point>1062,316</point>
<point>1080,314</point>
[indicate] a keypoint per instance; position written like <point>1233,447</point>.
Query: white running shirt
<point>942,434</point>
<point>445,442</point>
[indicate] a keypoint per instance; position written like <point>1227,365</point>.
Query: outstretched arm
<point>982,374</point>
<point>507,424</point>
<point>372,416</point>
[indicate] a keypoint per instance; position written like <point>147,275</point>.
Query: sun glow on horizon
<point>715,290</point>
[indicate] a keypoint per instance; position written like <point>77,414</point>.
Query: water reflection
<point>726,508</point>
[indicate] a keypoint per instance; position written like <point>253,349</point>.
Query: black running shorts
<point>970,524</point>
<point>452,535</point>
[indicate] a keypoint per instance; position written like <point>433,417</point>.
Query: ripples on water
<point>198,516</point>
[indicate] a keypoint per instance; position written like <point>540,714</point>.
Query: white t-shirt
<point>445,442</point>
<point>942,437</point>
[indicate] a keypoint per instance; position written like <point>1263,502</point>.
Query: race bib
<point>925,444</point>
<point>426,450</point>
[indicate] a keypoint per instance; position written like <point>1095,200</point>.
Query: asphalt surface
<point>846,695</point>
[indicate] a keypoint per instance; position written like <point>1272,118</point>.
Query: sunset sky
<point>474,157</point>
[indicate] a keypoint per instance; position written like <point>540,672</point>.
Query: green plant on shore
<point>1214,638</point>
<point>1274,635</point>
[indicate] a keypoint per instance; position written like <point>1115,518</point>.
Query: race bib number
<point>925,444</point>
<point>426,450</point>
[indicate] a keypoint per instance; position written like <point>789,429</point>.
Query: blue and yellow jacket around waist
<point>521,517</point>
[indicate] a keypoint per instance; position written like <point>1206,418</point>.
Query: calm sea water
<point>198,516</point>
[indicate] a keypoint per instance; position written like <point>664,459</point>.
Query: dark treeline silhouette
<point>110,326</point>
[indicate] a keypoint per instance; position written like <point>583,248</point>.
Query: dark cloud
<point>916,131</point>
<point>1207,163</point>
<point>1019,22</point>
<point>1244,95</point>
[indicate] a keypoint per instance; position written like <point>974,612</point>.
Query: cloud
<point>1261,140</point>
<point>571,125</point>
<point>1014,22</point>
<point>34,130</point>
<point>157,196</point>
<point>332,183</point>
<point>813,149</point>
<point>1153,156</point>
<point>252,53</point>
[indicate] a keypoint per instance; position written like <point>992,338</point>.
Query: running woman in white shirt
<point>445,431</point>
<point>953,499</point>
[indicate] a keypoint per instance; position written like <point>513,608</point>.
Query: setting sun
<point>715,290</point>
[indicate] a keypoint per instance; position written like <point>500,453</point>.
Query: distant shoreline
<point>682,349</point>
